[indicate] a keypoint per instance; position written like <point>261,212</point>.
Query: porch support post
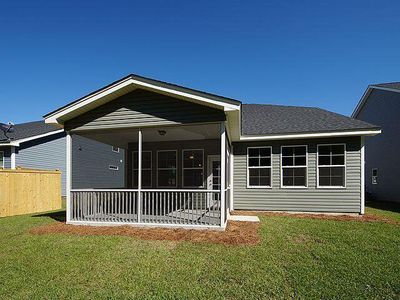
<point>68,175</point>
<point>13,164</point>
<point>223,173</point>
<point>140,140</point>
<point>362,205</point>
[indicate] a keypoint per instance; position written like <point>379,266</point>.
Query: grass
<point>297,258</point>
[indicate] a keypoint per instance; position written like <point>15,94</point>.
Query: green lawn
<point>297,258</point>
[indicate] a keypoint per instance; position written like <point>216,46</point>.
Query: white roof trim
<point>130,81</point>
<point>17,143</point>
<point>309,135</point>
<point>365,96</point>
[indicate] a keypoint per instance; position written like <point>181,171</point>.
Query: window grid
<point>192,168</point>
<point>332,166</point>
<point>135,169</point>
<point>262,165</point>
<point>167,169</point>
<point>296,155</point>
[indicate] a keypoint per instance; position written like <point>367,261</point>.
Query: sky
<point>305,53</point>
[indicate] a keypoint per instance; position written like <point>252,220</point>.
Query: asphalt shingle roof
<point>390,85</point>
<point>26,130</point>
<point>261,119</point>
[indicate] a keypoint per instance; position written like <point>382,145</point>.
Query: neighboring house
<point>192,157</point>
<point>380,105</point>
<point>37,145</point>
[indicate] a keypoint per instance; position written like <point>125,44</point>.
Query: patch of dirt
<point>360,218</point>
<point>236,233</point>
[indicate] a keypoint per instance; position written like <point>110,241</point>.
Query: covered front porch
<point>174,176</point>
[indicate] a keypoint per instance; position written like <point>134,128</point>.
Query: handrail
<point>146,190</point>
<point>104,190</point>
<point>182,190</point>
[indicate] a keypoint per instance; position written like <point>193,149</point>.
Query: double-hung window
<point>192,168</point>
<point>146,169</point>
<point>259,167</point>
<point>167,168</point>
<point>294,166</point>
<point>332,165</point>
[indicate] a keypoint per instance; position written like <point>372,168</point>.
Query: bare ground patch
<point>236,233</point>
<point>360,218</point>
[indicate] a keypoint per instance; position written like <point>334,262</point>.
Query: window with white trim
<point>2,159</point>
<point>332,165</point>
<point>259,166</point>
<point>193,168</point>
<point>294,166</point>
<point>167,168</point>
<point>146,168</point>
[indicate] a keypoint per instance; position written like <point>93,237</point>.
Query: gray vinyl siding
<point>142,108</point>
<point>7,157</point>
<point>383,109</point>
<point>46,153</point>
<point>90,164</point>
<point>308,199</point>
<point>210,147</point>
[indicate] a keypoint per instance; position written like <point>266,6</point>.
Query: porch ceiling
<point>121,137</point>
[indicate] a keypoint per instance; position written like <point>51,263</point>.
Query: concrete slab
<point>244,218</point>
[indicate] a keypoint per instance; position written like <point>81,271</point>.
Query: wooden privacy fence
<point>25,191</point>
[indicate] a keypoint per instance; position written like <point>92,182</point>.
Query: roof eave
<point>327,134</point>
<point>17,143</point>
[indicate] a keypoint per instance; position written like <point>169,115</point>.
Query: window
<point>259,167</point>
<point>167,168</point>
<point>331,165</point>
<point>2,159</point>
<point>193,168</point>
<point>374,176</point>
<point>294,166</point>
<point>146,168</point>
<point>112,167</point>
<point>115,149</point>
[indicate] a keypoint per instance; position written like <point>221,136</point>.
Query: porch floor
<point>184,216</point>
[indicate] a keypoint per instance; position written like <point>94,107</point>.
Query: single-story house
<point>192,157</point>
<point>37,145</point>
<point>380,105</point>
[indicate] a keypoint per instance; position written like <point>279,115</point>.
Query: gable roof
<point>28,131</point>
<point>118,87</point>
<point>261,119</point>
<point>390,86</point>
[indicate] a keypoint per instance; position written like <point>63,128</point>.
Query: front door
<point>214,179</point>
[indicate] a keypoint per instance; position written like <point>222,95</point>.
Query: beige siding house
<point>193,157</point>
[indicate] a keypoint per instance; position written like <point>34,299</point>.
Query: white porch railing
<point>163,207</point>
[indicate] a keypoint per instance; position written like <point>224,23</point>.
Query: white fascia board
<point>17,143</point>
<point>362,101</point>
<point>129,81</point>
<point>365,96</point>
<point>310,135</point>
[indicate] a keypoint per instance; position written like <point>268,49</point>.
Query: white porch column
<point>362,209</point>
<point>13,157</point>
<point>68,185</point>
<point>140,141</point>
<point>223,173</point>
